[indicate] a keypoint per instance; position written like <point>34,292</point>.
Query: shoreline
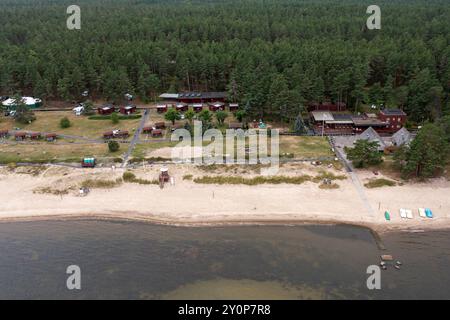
<point>189,204</point>
<point>232,222</point>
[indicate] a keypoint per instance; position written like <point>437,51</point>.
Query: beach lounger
<point>403,213</point>
<point>422,213</point>
<point>429,213</point>
<point>409,214</point>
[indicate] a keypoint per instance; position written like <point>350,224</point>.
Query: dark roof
<point>393,112</point>
<point>202,95</point>
<point>342,116</point>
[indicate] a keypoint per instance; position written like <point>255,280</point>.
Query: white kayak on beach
<point>409,214</point>
<point>422,213</point>
<point>403,213</point>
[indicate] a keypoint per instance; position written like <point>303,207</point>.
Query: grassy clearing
<point>80,125</point>
<point>43,152</point>
<point>305,147</point>
<point>378,183</point>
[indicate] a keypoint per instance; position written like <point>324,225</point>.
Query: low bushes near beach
<point>378,183</point>
<point>56,192</point>
<point>188,177</point>
<point>130,177</point>
<point>101,183</point>
<point>329,186</point>
<point>253,181</point>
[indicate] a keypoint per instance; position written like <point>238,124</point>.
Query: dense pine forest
<point>272,56</point>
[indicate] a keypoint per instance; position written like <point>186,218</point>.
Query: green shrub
<point>113,146</point>
<point>65,123</point>
<point>378,183</point>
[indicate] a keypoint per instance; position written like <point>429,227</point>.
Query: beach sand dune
<point>188,203</point>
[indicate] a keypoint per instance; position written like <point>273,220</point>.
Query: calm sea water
<point>130,260</point>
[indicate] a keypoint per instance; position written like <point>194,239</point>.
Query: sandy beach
<point>192,204</point>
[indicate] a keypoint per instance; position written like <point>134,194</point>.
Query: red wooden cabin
<point>160,125</point>
<point>128,109</point>
<point>50,137</point>
<point>216,106</point>
<point>234,107</point>
<point>20,136</point>
<point>157,133</point>
<point>147,130</point>
<point>197,107</point>
<point>34,135</point>
<point>395,119</point>
<point>162,108</point>
<point>182,107</point>
<point>106,110</point>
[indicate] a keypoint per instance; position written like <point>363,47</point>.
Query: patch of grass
<point>101,184</point>
<point>252,181</point>
<point>329,186</point>
<point>130,177</point>
<point>378,183</point>
<point>305,147</point>
<point>49,190</point>
<point>328,175</point>
<point>188,177</point>
<point>108,117</point>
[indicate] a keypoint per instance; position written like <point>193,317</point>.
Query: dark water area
<point>132,260</point>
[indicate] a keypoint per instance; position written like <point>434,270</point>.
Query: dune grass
<point>378,183</point>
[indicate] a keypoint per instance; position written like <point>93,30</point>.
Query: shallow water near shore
<point>133,260</point>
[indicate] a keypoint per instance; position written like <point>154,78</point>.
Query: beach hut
<point>4,133</point>
<point>162,108</point>
<point>20,136</point>
<point>50,137</point>
<point>157,133</point>
<point>106,110</point>
<point>160,125</point>
<point>126,110</point>
<point>234,107</point>
<point>197,107</point>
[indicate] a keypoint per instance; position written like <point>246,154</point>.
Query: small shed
<point>160,125</point>
<point>197,107</point>
<point>234,107</point>
<point>106,110</point>
<point>216,106</point>
<point>161,108</point>
<point>182,107</point>
<point>34,135</point>
<point>108,135</point>
<point>157,133</point>
<point>130,109</point>
<point>4,133</point>
<point>88,163</point>
<point>147,130</point>
<point>20,136</point>
<point>50,137</point>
